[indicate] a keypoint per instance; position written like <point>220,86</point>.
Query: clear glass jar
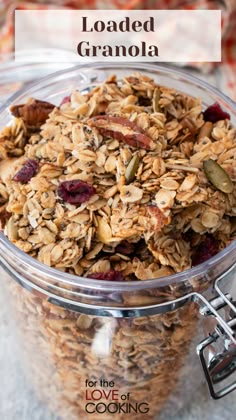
<point>98,349</point>
<point>15,75</point>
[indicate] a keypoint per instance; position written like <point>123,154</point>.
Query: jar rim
<point>67,278</point>
<point>78,281</point>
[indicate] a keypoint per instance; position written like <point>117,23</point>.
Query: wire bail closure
<point>219,366</point>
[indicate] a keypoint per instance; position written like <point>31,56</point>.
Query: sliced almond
<point>103,230</point>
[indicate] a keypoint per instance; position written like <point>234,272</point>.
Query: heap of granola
<point>129,181</point>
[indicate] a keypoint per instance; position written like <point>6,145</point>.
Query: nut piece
<point>217,176</point>
<point>132,169</point>
<point>33,113</point>
<point>122,129</point>
<point>130,194</point>
<point>100,119</point>
<point>157,218</point>
<point>103,230</point>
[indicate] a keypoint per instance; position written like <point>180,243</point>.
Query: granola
<point>143,356</point>
<point>126,162</point>
<point>115,184</point>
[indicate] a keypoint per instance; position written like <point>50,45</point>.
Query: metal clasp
<point>219,365</point>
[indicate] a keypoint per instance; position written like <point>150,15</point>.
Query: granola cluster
<point>131,178</point>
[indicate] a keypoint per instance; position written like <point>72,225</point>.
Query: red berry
<point>109,275</point>
<point>27,171</point>
<point>215,113</point>
<point>205,250</point>
<point>75,191</point>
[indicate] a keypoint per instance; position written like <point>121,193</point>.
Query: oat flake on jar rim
<point>120,290</point>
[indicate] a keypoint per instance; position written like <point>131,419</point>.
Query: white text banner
<point>119,35</point>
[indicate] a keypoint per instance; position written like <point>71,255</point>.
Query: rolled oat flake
<point>218,176</point>
<point>156,99</point>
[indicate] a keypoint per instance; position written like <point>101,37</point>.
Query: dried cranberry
<point>125,248</point>
<point>215,113</point>
<point>205,250</point>
<point>75,191</point>
<point>27,171</point>
<point>65,100</point>
<point>109,275</point>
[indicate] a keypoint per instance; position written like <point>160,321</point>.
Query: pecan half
<point>122,129</point>
<point>34,113</point>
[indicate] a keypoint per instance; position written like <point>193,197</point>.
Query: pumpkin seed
<point>217,176</point>
<point>132,169</point>
<point>156,99</point>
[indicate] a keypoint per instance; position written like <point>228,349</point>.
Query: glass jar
<point>117,350</point>
<point>15,75</point>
